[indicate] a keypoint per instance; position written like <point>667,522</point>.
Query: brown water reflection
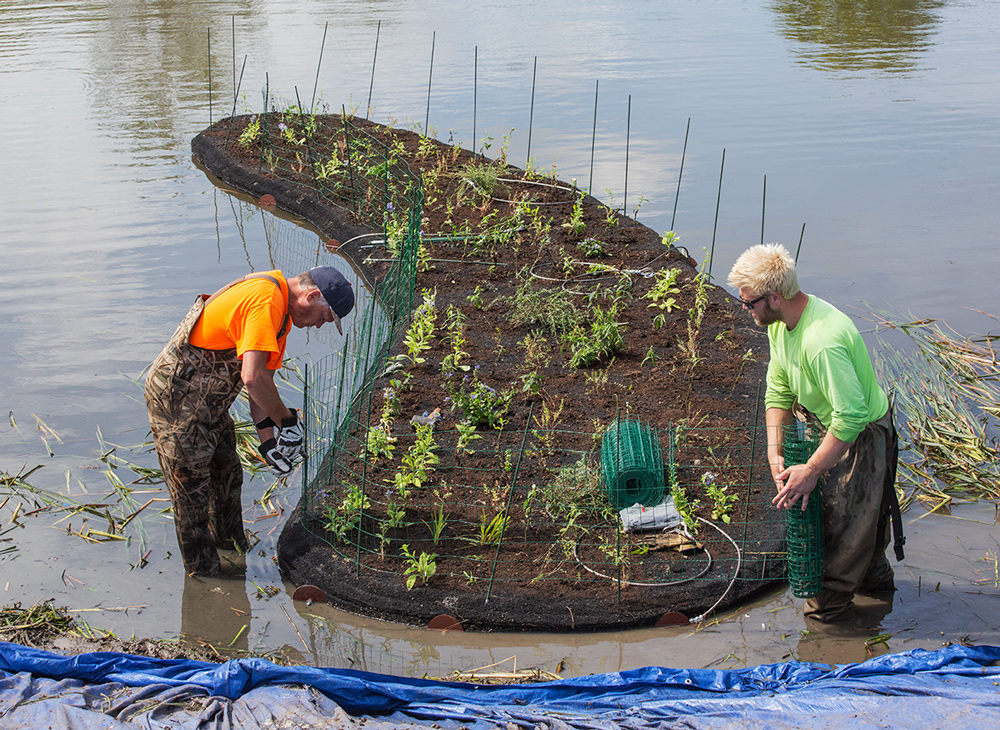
<point>858,35</point>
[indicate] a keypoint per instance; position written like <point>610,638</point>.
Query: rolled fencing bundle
<point>632,464</point>
<point>804,528</point>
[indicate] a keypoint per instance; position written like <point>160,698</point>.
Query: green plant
<point>552,309</point>
<point>251,133</point>
<point>426,148</point>
<point>695,315</point>
<point>419,336</point>
<point>481,404</point>
<point>476,298</point>
<point>747,357</point>
<point>328,169</point>
<point>604,337</point>
<point>591,248</point>
<point>576,224</point>
<point>437,524</point>
<point>341,520</point>
<point>422,566</point>
<point>546,423</point>
<point>288,134</point>
<point>650,357</point>
<point>418,463</point>
<point>664,287</point>
<point>611,212</point>
<point>669,239</point>
<point>528,505</point>
<point>482,178</point>
<point>569,532</point>
<point>380,442</point>
<point>576,488</point>
<point>456,338</point>
<point>393,520</point>
<point>536,357</point>
<point>614,549</point>
<point>466,434</point>
<point>686,507</point>
<point>490,529</point>
<point>722,501</point>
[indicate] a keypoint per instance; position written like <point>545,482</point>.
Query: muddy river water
<point>871,124</point>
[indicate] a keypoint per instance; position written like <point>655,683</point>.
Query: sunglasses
<point>753,302</point>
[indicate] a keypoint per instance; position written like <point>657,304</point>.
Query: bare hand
<point>797,481</point>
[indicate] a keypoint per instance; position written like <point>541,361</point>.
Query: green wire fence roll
<point>804,528</point>
<point>632,464</point>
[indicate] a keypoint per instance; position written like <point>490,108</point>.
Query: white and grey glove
<point>290,442</point>
<point>275,460</point>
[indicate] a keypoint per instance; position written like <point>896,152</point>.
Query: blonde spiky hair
<point>766,268</point>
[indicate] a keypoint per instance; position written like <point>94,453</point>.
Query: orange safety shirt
<point>246,316</point>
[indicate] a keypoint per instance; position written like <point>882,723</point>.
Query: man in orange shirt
<point>233,339</point>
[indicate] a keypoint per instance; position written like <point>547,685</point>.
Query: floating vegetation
<point>496,674</point>
<point>36,625</point>
<point>947,406</point>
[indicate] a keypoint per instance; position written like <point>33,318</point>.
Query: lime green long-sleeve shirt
<point>824,364</point>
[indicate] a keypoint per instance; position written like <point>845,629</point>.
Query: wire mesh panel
<point>804,528</point>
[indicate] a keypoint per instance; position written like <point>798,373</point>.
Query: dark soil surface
<point>550,271</point>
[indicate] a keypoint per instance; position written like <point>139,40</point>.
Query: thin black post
<point>753,451</point>
<point>593,139</point>
<point>801,235</point>
<point>312,104</point>
<point>371,84</point>
<point>236,94</point>
<point>475,91</point>
<point>763,206</point>
<point>628,129</point>
<point>680,174</point>
<point>715,226</point>
<point>430,75</point>
<point>209,76</point>
<point>350,164</point>
<point>531,113</point>
<point>306,423</point>
<point>308,138</point>
<point>263,122</point>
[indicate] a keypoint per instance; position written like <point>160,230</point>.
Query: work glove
<point>290,443</point>
<point>275,460</point>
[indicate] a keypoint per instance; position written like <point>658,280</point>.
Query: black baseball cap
<point>336,290</point>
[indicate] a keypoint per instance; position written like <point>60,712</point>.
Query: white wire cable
<point>586,567</point>
<point>739,565</point>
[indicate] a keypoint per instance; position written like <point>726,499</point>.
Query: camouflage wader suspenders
<point>189,391</point>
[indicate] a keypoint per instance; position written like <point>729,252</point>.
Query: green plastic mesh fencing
<point>358,173</point>
<point>804,528</point>
<point>632,464</point>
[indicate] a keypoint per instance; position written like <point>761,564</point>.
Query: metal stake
<point>371,84</point>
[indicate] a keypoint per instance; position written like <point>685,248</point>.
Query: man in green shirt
<point>820,372</point>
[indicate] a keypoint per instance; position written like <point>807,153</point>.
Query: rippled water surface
<point>874,125</point>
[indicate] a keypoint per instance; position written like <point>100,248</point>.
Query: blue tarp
<point>916,689</point>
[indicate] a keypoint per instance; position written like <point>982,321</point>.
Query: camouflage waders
<point>189,391</point>
<point>859,498</point>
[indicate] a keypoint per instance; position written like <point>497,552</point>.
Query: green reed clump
<point>947,408</point>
